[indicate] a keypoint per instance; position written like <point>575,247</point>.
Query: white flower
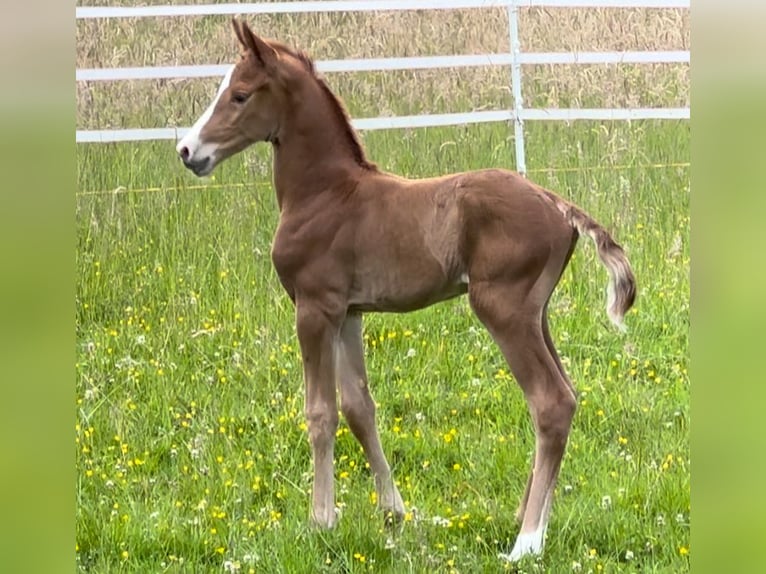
<point>576,566</point>
<point>230,566</point>
<point>628,555</point>
<point>606,502</point>
<point>411,353</point>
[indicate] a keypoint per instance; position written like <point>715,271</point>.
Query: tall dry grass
<point>206,40</point>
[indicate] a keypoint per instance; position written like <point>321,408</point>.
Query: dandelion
<point>683,550</point>
<point>361,557</point>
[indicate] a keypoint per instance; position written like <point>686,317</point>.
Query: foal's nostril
<point>184,153</point>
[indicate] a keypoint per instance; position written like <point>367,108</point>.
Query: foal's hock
<point>352,238</point>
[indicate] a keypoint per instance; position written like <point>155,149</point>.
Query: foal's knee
<point>322,424</point>
<point>357,405</point>
<point>554,419</point>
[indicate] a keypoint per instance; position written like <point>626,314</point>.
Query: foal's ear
<point>238,31</point>
<point>258,46</point>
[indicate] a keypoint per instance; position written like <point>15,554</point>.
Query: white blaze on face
<point>197,150</point>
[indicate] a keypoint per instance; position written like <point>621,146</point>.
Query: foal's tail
<point>621,291</point>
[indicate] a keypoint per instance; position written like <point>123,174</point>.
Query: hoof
<point>326,520</point>
<point>527,544</point>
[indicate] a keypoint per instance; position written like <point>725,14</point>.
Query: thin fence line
<point>123,190</point>
<point>83,12</point>
<point>608,167</point>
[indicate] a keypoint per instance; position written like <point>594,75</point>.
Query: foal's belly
<point>404,302</point>
<point>394,291</point>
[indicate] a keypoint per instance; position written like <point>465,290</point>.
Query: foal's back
<point>422,241</point>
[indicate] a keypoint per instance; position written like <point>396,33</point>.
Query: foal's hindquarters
<point>515,261</point>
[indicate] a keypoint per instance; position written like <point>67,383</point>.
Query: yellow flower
<point>124,554</point>
<point>683,551</point>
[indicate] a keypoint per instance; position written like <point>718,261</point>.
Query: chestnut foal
<point>352,239</point>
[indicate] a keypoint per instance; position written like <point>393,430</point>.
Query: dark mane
<point>337,106</point>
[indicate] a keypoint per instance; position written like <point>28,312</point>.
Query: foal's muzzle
<point>200,167</point>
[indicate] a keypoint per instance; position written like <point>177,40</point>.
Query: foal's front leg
<point>359,409</point>
<point>318,337</point>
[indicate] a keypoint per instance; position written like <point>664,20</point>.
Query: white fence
<point>514,58</point>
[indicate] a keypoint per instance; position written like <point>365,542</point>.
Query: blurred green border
<point>37,303</point>
<point>728,206</point>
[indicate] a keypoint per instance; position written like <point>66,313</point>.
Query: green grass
<point>191,449</point>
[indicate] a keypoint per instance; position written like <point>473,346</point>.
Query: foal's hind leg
<point>359,409</point>
<point>513,315</point>
<point>552,350</point>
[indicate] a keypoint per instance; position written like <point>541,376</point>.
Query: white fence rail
<point>515,59</point>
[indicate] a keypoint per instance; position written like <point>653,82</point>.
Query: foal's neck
<point>316,150</point>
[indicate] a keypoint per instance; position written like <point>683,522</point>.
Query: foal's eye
<point>239,97</point>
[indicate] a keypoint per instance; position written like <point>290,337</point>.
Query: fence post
<point>518,122</point>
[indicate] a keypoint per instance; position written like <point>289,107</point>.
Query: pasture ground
<point>191,449</point>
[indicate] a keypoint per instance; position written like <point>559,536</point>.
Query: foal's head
<point>249,106</point>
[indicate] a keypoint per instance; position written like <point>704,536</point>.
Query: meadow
<point>191,450</point>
